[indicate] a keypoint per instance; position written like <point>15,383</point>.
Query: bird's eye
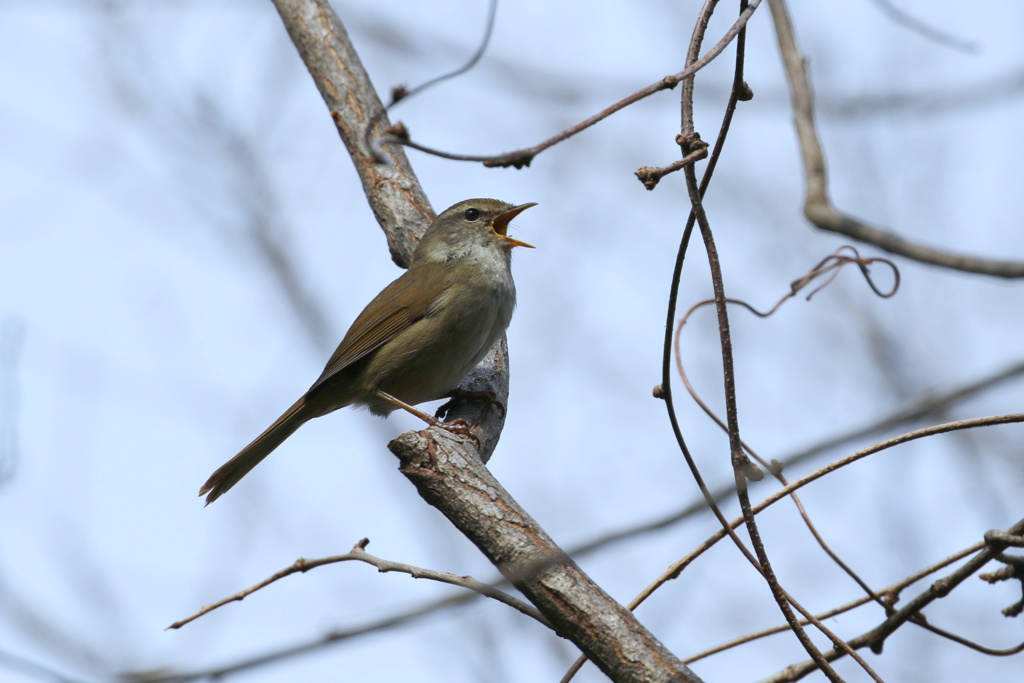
<point>472,214</point>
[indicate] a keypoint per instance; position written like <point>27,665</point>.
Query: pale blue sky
<point>143,339</point>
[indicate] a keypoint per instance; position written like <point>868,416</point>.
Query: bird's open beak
<point>501,222</point>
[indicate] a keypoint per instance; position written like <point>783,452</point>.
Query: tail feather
<point>231,472</point>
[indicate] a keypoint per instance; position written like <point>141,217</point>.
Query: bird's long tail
<point>263,445</point>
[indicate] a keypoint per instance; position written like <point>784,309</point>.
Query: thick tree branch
<point>394,192</point>
<point>461,487</point>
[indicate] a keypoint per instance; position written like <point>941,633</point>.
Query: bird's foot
<point>460,427</point>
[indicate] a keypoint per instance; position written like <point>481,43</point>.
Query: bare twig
<point>522,157</point>
<point>742,467</point>
<point>929,404</point>
<point>651,176</point>
<point>891,592</point>
<point>359,554</point>
<point>960,640</point>
<point>818,206</point>
<point>911,611</point>
<point>933,430</point>
<point>879,635</point>
<point>686,139</point>
<point>827,268</point>
<point>1013,565</point>
<point>400,93</point>
<point>677,567</point>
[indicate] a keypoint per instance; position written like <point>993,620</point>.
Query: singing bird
<point>418,338</point>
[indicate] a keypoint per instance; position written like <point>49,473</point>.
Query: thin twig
<point>664,390</point>
<point>892,590</point>
<point>359,554</point>
<point>651,176</point>
<point>828,268</point>
<point>401,93</point>
<point>960,640</point>
<point>924,406</point>
<point>677,567</point>
<point>522,157</point>
<point>741,464</point>
<point>910,612</point>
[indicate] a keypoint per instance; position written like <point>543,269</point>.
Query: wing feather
<point>407,300</point>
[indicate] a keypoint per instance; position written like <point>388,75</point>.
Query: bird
<point>418,338</point>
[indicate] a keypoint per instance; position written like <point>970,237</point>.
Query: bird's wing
<point>409,299</point>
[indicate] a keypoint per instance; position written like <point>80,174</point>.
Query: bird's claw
<point>460,427</point>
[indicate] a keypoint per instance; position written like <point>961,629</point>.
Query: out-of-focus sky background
<point>147,149</point>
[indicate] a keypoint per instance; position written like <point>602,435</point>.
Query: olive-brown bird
<point>418,338</point>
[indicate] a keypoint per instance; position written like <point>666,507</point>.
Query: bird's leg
<point>399,403</point>
<point>469,395</point>
<point>455,426</point>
